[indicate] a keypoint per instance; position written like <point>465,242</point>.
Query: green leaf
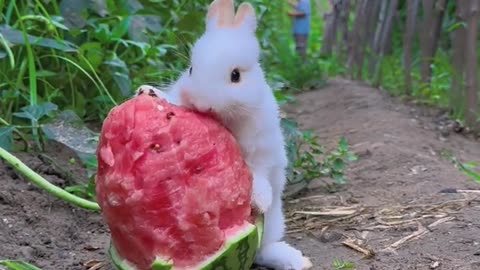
<point>102,33</point>
<point>338,177</point>
<point>36,112</point>
<point>68,129</point>
<point>86,191</point>
<point>18,265</point>
<point>93,53</point>
<point>475,176</point>
<point>120,75</point>
<point>58,22</point>
<point>338,165</point>
<point>10,94</point>
<point>78,190</point>
<point>80,104</point>
<point>141,23</point>
<point>470,165</point>
<point>283,98</point>
<point>120,29</point>
<point>456,26</point>
<point>16,37</point>
<point>339,265</point>
<point>351,157</point>
<point>123,82</point>
<point>6,137</point>
<point>343,145</point>
<point>91,191</point>
<point>90,162</point>
<point>99,6</point>
<point>8,51</point>
<point>74,12</point>
<point>45,73</point>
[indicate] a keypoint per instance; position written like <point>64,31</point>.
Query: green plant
<point>467,168</point>
<point>310,161</point>
<point>18,265</point>
<point>340,264</point>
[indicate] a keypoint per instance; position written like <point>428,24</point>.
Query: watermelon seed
<point>198,170</point>
<point>156,147</point>
<point>178,142</point>
<point>170,115</point>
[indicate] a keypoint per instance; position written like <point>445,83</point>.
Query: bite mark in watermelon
<point>174,189</point>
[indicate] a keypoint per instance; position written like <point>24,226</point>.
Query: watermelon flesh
<point>172,185</point>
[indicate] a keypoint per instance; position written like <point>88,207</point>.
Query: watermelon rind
<point>161,265</point>
<point>238,253</point>
<point>119,263</point>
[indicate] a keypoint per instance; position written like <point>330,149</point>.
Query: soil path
<point>393,193</point>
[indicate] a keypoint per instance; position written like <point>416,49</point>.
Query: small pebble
<point>26,253</point>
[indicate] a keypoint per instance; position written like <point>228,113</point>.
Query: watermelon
<point>174,189</point>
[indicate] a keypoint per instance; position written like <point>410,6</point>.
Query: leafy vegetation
<point>88,56</point>
<point>310,160</point>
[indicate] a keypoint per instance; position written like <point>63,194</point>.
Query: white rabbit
<point>226,79</point>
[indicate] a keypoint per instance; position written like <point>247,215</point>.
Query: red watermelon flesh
<point>171,182</point>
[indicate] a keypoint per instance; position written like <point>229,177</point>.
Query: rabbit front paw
<point>262,195</point>
<point>282,256</point>
<point>150,90</point>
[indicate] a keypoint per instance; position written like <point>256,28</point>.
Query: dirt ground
<point>390,215</point>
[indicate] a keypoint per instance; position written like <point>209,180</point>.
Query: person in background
<point>301,24</point>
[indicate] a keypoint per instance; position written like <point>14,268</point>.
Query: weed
<point>310,161</point>
<point>467,168</point>
<point>340,264</point>
<point>18,265</point>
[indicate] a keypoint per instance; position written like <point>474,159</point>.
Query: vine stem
<point>42,183</point>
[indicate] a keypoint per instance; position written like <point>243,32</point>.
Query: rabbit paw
<point>262,195</point>
<point>150,90</point>
<point>282,256</point>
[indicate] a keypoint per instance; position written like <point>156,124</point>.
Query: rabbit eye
<point>190,70</point>
<point>235,76</point>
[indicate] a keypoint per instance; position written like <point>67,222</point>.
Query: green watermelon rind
<point>227,258</point>
<point>117,261</point>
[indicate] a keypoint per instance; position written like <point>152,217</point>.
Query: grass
<point>469,169</point>
<point>18,265</point>
<point>340,264</point>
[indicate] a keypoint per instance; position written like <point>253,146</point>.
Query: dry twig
<point>366,251</point>
<point>422,230</point>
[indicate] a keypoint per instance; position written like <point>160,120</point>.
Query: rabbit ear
<point>246,16</point>
<point>220,13</point>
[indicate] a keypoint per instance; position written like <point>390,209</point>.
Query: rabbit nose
<point>185,98</point>
<point>188,101</point>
